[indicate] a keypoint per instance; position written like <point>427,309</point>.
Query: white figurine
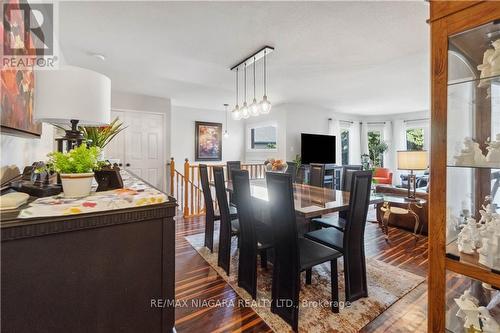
<point>470,155</point>
<point>468,311</point>
<point>493,156</point>
<point>495,59</point>
<point>488,212</point>
<point>489,324</point>
<point>469,237</point>
<point>489,253</point>
<point>485,67</point>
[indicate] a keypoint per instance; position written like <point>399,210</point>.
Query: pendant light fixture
<point>245,113</point>
<point>254,107</point>
<point>265,105</point>
<point>226,133</point>
<point>236,114</point>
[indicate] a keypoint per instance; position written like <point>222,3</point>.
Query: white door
<point>140,146</point>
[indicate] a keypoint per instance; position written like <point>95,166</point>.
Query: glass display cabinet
<point>464,221</point>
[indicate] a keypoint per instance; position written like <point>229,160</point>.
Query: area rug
<point>386,284</point>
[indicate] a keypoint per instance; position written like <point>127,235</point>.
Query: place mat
<point>386,285</point>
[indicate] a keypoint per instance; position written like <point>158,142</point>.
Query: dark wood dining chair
<point>351,242</point>
<point>254,238</point>
<point>293,254</point>
<point>292,171</point>
<point>317,175</point>
<point>230,166</point>
<point>210,215</point>
<point>228,227</point>
<point>338,221</point>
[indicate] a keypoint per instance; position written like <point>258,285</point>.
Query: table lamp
<point>412,160</point>
<point>72,95</point>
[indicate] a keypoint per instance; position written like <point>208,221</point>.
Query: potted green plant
<point>102,135</point>
<point>76,169</point>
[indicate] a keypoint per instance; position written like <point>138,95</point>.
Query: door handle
<point>120,164</point>
<point>128,164</point>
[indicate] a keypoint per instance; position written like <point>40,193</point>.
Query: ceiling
<point>353,57</point>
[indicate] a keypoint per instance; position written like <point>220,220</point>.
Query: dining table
<point>310,201</point>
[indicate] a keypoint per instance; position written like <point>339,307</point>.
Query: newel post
<point>172,174</point>
<point>186,184</point>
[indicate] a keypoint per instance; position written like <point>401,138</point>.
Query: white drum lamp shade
<point>413,160</point>
<point>72,93</point>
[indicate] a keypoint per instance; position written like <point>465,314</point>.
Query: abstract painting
<point>18,86</point>
<point>208,141</point>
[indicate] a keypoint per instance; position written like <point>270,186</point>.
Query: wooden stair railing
<point>186,186</point>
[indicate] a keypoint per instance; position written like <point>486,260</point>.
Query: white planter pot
<point>76,185</point>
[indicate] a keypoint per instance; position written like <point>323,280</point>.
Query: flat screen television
<point>317,148</point>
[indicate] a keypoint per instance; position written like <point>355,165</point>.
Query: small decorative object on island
<point>275,165</point>
<point>470,155</point>
<point>108,178</point>
<point>76,169</point>
<point>493,156</point>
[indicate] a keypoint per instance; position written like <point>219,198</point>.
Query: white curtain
<point>354,143</point>
<point>334,129</point>
<point>389,161</point>
<point>364,138</point>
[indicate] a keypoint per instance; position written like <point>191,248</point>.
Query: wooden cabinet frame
<point>447,18</point>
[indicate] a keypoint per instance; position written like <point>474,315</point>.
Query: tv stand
<point>333,174</point>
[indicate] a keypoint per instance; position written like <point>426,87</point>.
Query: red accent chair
<point>382,176</point>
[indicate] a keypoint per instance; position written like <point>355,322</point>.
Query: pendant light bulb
<point>265,105</point>
<point>254,107</point>
<point>245,113</point>
<point>236,113</point>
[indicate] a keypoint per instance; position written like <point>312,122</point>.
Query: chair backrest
<point>232,165</point>
<point>207,194</point>
<point>317,174</point>
<point>243,198</point>
<point>292,170</point>
<point>224,255</point>
<point>354,232</point>
<point>282,209</point>
<point>347,176</point>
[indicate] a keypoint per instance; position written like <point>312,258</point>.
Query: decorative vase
<point>76,185</point>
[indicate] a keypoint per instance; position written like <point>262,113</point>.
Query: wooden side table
<point>388,210</point>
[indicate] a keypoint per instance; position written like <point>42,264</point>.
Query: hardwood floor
<point>196,281</point>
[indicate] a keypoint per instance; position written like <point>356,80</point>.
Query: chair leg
<point>308,275</point>
<point>335,286</point>
<point>263,259</point>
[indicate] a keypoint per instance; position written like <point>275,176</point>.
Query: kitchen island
<point>91,266</point>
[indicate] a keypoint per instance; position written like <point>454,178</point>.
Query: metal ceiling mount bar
<point>253,57</point>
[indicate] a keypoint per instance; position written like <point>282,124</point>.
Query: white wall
<point>23,151</point>
<point>183,133</point>
<point>293,119</point>
<point>277,116</point>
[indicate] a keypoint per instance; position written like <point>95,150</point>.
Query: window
<point>415,139</point>
<point>344,141</point>
<point>376,148</point>
<point>263,137</point>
